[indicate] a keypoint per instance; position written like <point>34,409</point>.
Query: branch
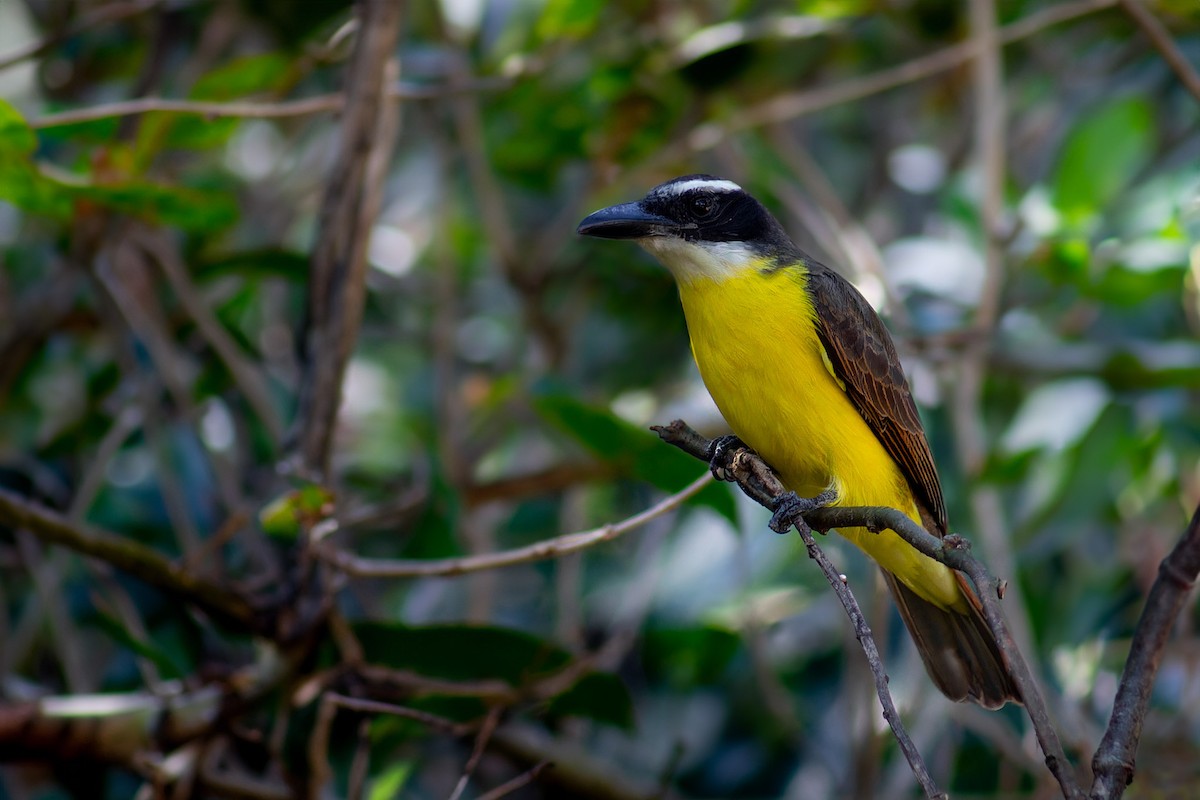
<point>252,109</point>
<point>761,484</point>
<point>796,104</point>
<point>1158,34</point>
<point>111,12</point>
<point>337,285</point>
<point>129,556</point>
<point>551,548</point>
<point>524,779</point>
<point>1113,764</point>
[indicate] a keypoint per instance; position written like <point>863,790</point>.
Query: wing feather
<point>864,358</point>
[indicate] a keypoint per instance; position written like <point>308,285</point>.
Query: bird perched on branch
<point>805,373</point>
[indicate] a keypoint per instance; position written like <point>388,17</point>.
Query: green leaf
<point>689,656</point>
<point>637,452</point>
<point>244,76</point>
<point>1100,156</point>
<point>293,511</point>
<point>461,652</point>
<point>17,139</point>
<point>116,629</point>
<point>597,696</point>
<point>387,785</point>
<point>569,19</point>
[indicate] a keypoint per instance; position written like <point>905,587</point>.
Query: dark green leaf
<point>598,696</point>
<point>639,453</point>
<point>461,652</point>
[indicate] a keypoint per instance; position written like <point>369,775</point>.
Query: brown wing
<point>864,358</point>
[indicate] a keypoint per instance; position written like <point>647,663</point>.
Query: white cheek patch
<point>691,261</point>
<point>711,184</point>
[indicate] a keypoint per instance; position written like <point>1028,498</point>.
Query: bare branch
<point>1161,37</point>
<point>523,779</point>
<point>541,551</point>
<point>246,375</point>
<point>255,109</point>
<point>337,285</point>
<point>376,707</point>
<point>481,740</point>
<point>109,12</point>
<point>1113,764</point>
<point>760,483</point>
<point>129,556</point>
<point>862,632</point>
<point>789,106</point>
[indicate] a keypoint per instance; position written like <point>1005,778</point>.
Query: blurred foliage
<point>506,372</point>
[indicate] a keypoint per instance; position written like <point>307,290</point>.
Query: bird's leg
<point>721,451</point>
<point>790,508</point>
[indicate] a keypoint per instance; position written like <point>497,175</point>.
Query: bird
<point>806,374</point>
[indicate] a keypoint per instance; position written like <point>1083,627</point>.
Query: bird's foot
<point>721,452</point>
<point>789,509</point>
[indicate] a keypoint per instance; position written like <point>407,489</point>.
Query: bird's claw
<point>789,509</point>
<point>721,452</point>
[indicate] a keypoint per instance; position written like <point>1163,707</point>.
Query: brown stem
<point>757,480</point>
<point>337,285</point>
<point>1113,764</point>
<point>128,556</point>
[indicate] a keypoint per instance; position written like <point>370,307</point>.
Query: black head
<point>693,208</point>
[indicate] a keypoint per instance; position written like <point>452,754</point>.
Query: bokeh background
<point>1014,185</point>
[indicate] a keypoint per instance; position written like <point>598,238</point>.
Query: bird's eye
<point>701,205</point>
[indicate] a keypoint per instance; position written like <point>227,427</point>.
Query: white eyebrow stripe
<point>716,185</point>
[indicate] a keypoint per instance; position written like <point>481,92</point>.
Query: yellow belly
<point>755,341</point>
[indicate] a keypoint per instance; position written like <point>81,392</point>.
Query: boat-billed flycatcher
<point>805,373</point>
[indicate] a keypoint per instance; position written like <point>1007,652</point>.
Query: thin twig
<point>129,556</point>
<point>254,109</point>
<point>796,104</point>
<point>319,769</point>
<point>416,715</point>
<point>337,285</point>
<point>481,740</point>
<point>866,640</point>
<point>551,548</point>
<point>511,786</point>
<point>1161,37</point>
<point>109,12</point>
<point>251,381</point>
<point>1113,764</point>
<point>761,484</point>
<point>361,763</point>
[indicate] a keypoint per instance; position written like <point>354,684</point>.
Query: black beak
<point>625,221</point>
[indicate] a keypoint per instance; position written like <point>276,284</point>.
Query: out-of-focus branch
<point>108,12</point>
<point>796,104</point>
<point>128,556</point>
<point>337,284</point>
<point>552,479</point>
<point>1161,37</point>
<point>1113,764</point>
<point>579,771</point>
<point>254,109</point>
<point>524,779</point>
<point>250,380</point>
<point>550,548</point>
<point>760,483</point>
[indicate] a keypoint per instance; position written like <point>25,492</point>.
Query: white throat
<point>693,261</point>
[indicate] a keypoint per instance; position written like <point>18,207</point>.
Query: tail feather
<point>959,651</point>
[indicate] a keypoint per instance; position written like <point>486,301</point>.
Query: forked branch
<point>761,484</point>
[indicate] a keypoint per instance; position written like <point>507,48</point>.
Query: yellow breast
<point>754,338</point>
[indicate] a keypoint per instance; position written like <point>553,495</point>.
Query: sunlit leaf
<point>1101,154</point>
